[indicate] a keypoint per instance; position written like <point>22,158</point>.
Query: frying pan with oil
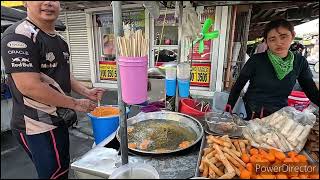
<point>162,132</point>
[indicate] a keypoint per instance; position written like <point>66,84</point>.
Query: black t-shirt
<point>266,90</point>
<point>26,48</point>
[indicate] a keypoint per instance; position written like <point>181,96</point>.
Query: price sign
<point>200,74</point>
<point>108,70</point>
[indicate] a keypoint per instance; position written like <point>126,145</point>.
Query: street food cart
<point>227,141</point>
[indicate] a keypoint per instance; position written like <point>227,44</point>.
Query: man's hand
<point>95,94</point>
<point>84,105</point>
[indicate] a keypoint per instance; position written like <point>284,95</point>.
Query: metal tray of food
<point>309,155</point>
<point>162,132</point>
<point>204,145</point>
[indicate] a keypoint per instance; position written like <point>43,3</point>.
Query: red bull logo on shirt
<point>21,62</point>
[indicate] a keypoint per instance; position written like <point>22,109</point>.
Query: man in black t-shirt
<point>36,60</point>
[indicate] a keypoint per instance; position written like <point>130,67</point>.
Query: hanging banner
<point>11,3</point>
<point>132,17</point>
<point>200,74</point>
<point>108,70</point>
<point>206,53</point>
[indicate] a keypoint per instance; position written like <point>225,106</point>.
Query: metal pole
<point>118,31</point>
<point>179,49</point>
<point>245,35</point>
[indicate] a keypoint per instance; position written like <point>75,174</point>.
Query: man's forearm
<point>78,87</point>
<point>45,94</point>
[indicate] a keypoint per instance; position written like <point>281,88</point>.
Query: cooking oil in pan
<point>161,135</point>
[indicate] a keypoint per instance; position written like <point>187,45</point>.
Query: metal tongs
<point>204,106</point>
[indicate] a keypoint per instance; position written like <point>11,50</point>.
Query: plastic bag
<point>153,7</point>
<point>191,25</point>
<point>285,130</point>
<point>305,117</point>
<point>220,100</point>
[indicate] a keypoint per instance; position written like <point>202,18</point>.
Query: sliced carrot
<point>254,151</point>
<point>245,174</point>
<point>281,176</point>
<point>273,151</point>
<point>262,152</point>
<point>250,167</point>
<point>253,176</point>
<point>288,160</point>
<point>295,159</point>
<point>259,177</point>
<point>270,157</point>
<point>302,158</point>
<point>294,177</point>
<point>253,159</point>
<point>292,154</point>
<point>314,176</point>
<point>245,158</point>
<point>268,176</point>
<point>280,155</point>
<point>303,176</point>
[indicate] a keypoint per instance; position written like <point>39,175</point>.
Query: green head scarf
<point>281,66</point>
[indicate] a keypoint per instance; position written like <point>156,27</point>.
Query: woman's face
<point>279,41</point>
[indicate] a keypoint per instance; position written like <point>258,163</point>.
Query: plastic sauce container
<point>135,171</point>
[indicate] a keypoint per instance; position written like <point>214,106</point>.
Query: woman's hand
<point>228,108</point>
<point>95,94</point>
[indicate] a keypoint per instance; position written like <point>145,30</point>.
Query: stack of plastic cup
<point>171,81</point>
<point>183,74</point>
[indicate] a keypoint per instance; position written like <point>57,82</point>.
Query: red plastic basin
<point>298,100</point>
<point>188,106</point>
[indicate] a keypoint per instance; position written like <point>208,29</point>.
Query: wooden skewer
<point>137,45</point>
<point>125,47</point>
<point>119,46</point>
<point>129,47</point>
<point>142,46</point>
<point>133,44</point>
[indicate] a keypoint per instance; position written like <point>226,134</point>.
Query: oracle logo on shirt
<point>20,52</point>
<point>16,44</point>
